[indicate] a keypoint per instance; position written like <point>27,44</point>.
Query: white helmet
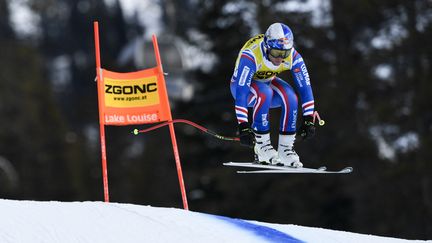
<point>278,40</point>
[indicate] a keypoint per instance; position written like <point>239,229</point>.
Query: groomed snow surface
<point>32,221</point>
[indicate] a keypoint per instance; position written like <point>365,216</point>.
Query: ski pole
<point>203,129</point>
<point>321,122</point>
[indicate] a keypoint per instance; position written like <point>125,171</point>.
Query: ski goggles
<point>276,53</point>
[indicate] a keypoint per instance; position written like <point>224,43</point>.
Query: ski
<point>345,170</point>
<point>283,169</point>
<point>263,166</point>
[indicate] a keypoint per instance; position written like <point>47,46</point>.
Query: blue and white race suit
<point>255,84</point>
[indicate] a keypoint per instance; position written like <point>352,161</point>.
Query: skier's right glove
<point>246,135</point>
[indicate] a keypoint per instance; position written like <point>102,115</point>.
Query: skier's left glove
<point>307,128</point>
<point>246,135</point>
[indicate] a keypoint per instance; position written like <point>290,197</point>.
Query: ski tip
<point>347,170</point>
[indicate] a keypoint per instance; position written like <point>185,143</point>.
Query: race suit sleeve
<point>302,84</point>
<point>243,77</point>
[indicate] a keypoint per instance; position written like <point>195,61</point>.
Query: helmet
<point>278,40</point>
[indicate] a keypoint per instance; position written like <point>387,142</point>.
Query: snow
<point>33,221</point>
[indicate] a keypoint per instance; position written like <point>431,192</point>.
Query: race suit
<point>255,84</point>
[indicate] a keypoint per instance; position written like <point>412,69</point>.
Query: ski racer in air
<point>255,84</point>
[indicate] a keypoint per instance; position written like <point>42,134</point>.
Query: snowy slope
<point>31,221</point>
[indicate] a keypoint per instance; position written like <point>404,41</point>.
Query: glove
<point>246,135</point>
<point>307,128</point>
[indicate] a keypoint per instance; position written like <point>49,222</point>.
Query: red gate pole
<point>171,128</point>
<point>101,112</point>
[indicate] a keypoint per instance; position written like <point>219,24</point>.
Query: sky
<point>51,221</point>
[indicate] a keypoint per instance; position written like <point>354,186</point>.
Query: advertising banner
<point>133,98</point>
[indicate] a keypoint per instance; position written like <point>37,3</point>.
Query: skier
<point>255,84</point>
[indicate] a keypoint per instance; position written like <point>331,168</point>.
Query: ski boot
<point>286,151</point>
<point>264,151</point>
